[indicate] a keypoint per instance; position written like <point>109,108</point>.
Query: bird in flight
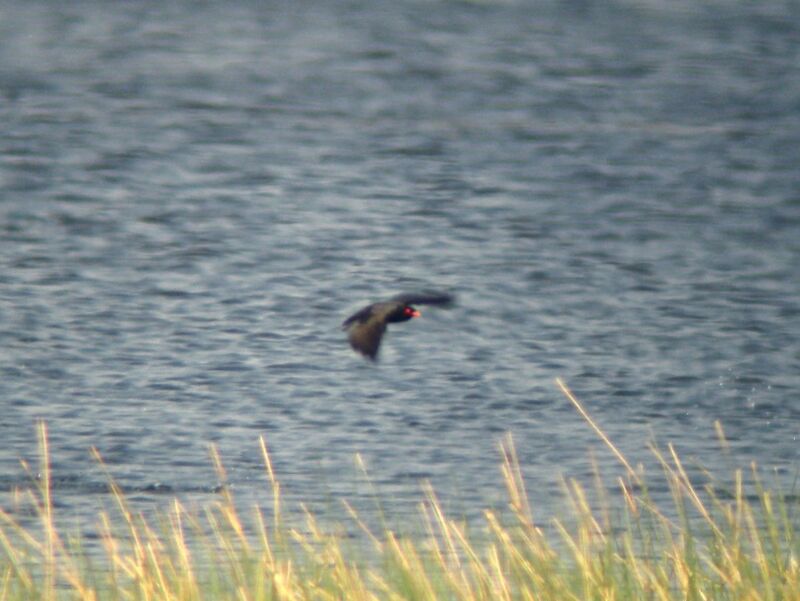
<point>366,326</point>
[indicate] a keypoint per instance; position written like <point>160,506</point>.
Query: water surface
<point>193,197</point>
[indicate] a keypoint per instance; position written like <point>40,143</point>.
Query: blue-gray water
<point>194,195</point>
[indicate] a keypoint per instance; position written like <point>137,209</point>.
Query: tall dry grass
<point>614,542</point>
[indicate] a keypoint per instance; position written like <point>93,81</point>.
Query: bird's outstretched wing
<point>365,330</point>
<point>367,339</point>
<point>425,298</point>
<point>359,316</point>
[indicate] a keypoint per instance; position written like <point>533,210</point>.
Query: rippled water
<point>193,197</point>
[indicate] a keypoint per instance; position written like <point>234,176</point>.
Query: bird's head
<point>403,313</point>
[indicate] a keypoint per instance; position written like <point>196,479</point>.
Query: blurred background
<point>194,195</point>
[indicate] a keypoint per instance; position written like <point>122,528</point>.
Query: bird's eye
<point>408,311</point>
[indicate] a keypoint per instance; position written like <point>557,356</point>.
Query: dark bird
<point>366,326</point>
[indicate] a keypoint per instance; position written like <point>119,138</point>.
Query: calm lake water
<point>193,196</point>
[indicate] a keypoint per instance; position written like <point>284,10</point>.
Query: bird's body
<point>366,327</point>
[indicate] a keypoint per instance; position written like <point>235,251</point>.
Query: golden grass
<point>613,543</point>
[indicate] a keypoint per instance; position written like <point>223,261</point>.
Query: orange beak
<point>416,314</point>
